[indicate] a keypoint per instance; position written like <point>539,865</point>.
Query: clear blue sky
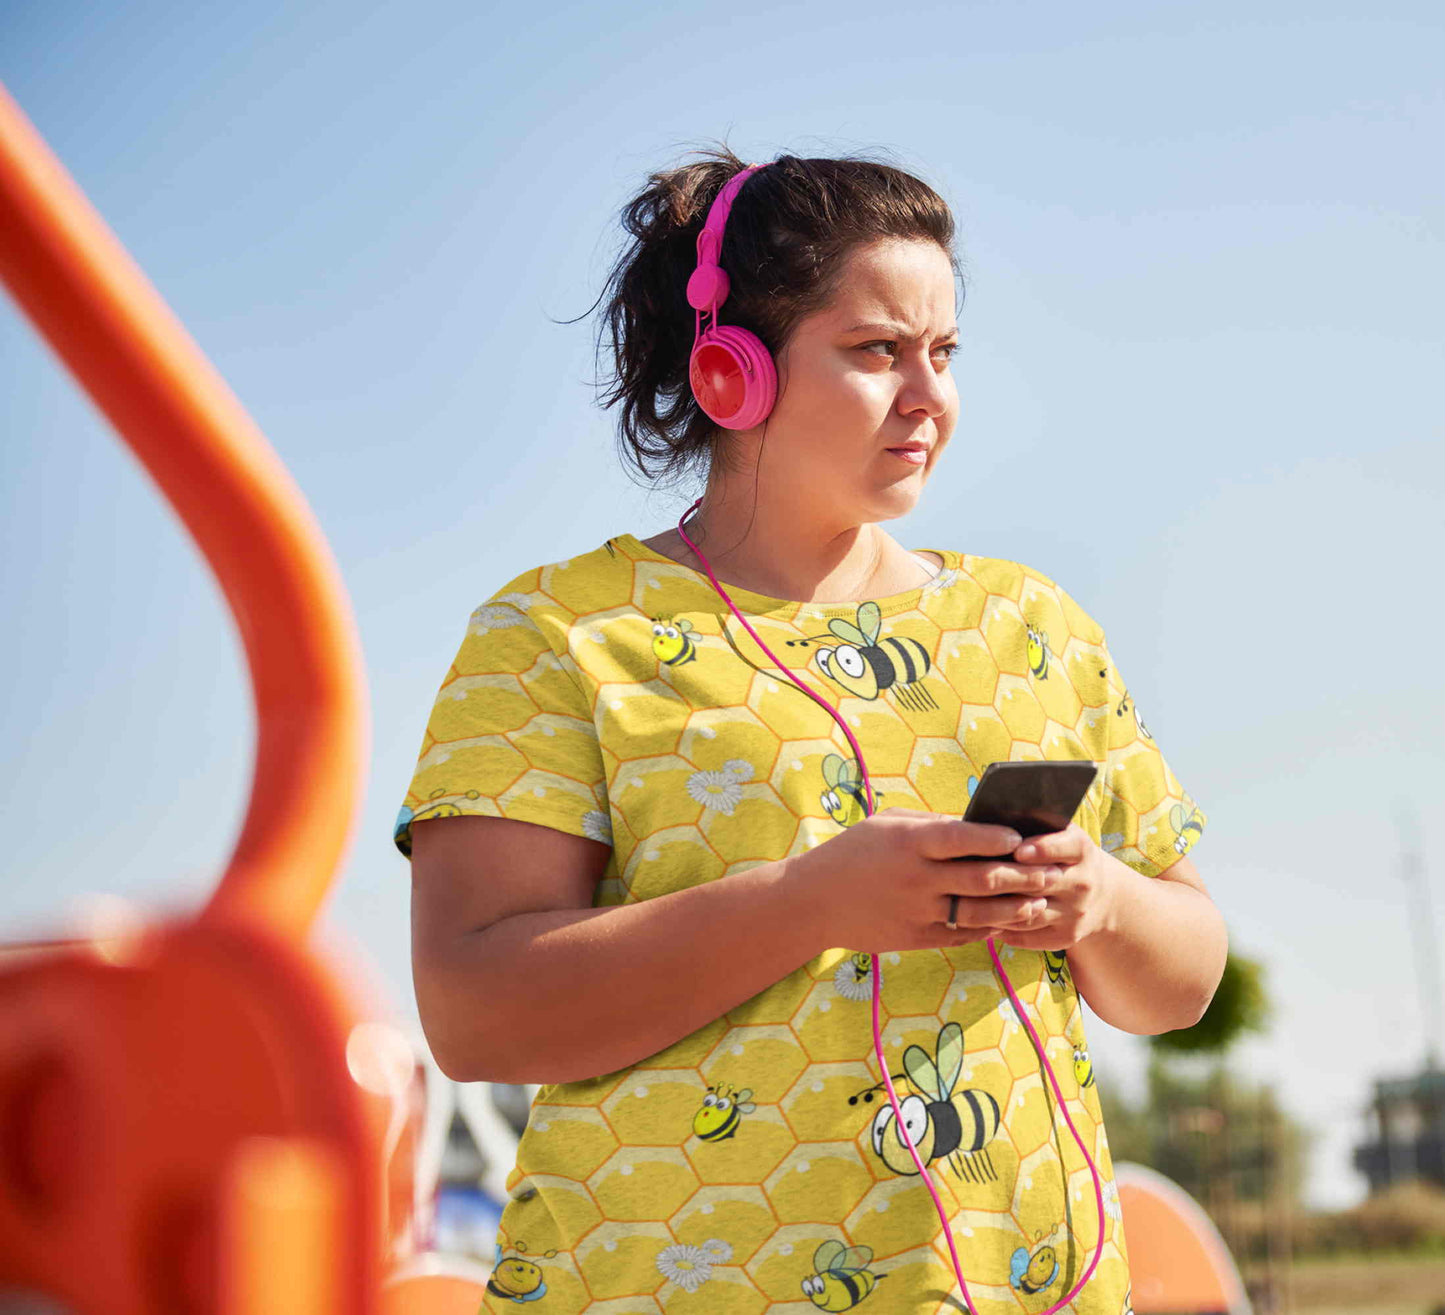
<point>1200,378</point>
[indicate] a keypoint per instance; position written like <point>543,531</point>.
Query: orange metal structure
<point>179,1128</point>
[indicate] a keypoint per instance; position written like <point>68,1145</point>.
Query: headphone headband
<point>707,289</point>
<point>709,241</point>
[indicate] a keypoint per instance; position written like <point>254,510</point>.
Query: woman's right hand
<point>883,884</point>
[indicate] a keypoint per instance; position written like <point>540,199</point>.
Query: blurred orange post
<point>179,1130</point>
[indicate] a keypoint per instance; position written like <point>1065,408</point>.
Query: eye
<point>724,1104</point>
<point>950,347</point>
<point>850,660</point>
<point>881,1120</point>
<point>915,1117</point>
<point>709,1099</point>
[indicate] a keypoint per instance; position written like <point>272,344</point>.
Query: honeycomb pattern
<point>753,1166</point>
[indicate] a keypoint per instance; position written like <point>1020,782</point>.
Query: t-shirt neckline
<point>783,609</point>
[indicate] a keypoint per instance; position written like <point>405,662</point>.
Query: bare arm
<point>1155,965</point>
<point>519,979</point>
<point>587,991</point>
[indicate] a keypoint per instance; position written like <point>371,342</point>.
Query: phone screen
<point>1034,798</point>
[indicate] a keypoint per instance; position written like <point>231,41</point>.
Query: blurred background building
<point>1407,1131</point>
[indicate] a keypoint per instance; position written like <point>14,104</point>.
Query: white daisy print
<point>597,825</point>
<point>720,1252</point>
<point>720,791</point>
<point>942,580</point>
<point>853,979</point>
<point>501,613</point>
<point>687,1266</point>
<point>1112,1206</point>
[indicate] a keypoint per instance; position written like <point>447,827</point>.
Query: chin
<point>893,504</point>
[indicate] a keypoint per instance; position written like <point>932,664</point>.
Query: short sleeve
<point>511,735</point>
<point>1148,819</point>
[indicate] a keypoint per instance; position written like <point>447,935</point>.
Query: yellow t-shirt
<point>748,1167</point>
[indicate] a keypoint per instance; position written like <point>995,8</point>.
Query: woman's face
<point>868,373</point>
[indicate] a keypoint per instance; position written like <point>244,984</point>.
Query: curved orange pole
<point>90,300</point>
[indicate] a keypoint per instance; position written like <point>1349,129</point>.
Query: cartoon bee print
<point>845,800</point>
<point>672,641</point>
<point>721,1111</point>
<point>442,807</point>
<point>436,806</point>
<point>1034,1272</point>
<point>517,1279</point>
<point>1039,653</point>
<point>853,979</point>
<point>943,1124</point>
<point>1056,966</point>
<point>1127,704</point>
<point>866,667</point>
<point>1083,1068</point>
<point>1187,826</point>
<point>841,1277</point>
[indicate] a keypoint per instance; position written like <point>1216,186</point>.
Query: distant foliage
<point>1407,1217</point>
<point>1209,1132</point>
<point>1239,1006</point>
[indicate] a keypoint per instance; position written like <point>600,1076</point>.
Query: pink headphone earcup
<point>733,377</point>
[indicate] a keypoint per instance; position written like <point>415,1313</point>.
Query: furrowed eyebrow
<point>897,330</point>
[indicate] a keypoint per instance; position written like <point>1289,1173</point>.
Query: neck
<point>844,565</point>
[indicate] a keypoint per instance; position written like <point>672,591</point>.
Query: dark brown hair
<point>788,238</point>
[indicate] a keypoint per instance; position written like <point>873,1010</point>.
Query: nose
<point>925,388</point>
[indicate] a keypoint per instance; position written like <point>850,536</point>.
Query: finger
<point>998,911</point>
<point>1056,847</point>
<point>953,838</point>
<point>983,877</point>
<point>1038,916</point>
<point>939,937</point>
<point>1046,938</point>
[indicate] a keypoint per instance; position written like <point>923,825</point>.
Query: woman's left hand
<point>1079,898</point>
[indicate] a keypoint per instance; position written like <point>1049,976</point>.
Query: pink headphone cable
<point>877,1032</point>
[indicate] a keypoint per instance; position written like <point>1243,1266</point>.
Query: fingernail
<point>1012,839</point>
<point>1026,852</point>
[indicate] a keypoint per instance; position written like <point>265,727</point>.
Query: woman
<point>650,873</point>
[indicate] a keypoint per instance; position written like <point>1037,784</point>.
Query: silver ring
<point>952,923</point>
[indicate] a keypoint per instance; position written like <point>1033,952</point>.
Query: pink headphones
<point>731,372</point>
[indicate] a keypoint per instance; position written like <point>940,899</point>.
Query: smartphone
<point>1034,798</point>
